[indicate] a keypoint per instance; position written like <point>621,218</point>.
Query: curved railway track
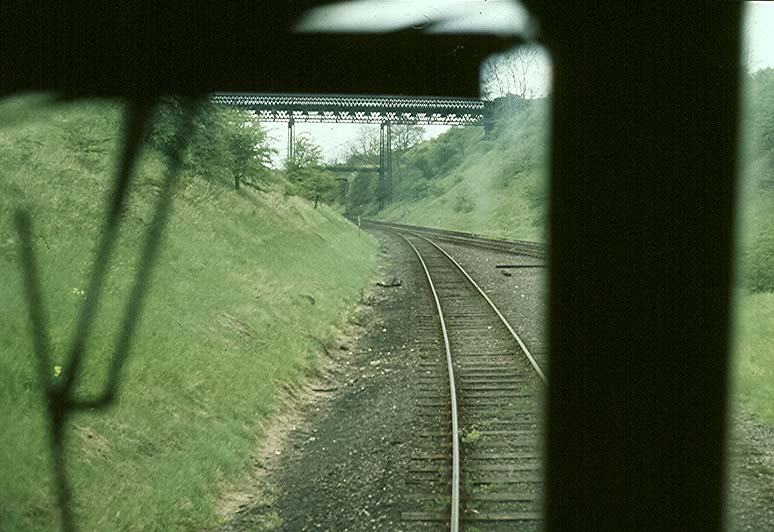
<point>477,466</point>
<point>515,247</point>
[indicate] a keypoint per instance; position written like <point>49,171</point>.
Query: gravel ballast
<point>340,461</point>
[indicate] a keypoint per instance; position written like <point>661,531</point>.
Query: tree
<point>305,173</point>
<point>362,192</point>
<point>368,136</point>
<point>306,154</point>
<point>248,150</point>
<point>404,136</point>
<point>516,72</point>
<point>226,143</point>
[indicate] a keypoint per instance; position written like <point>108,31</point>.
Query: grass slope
<point>753,354</point>
<point>753,375</point>
<point>493,183</point>
<point>246,287</point>
<point>753,358</point>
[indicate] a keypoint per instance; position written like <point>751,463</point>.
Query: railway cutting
<point>433,421</point>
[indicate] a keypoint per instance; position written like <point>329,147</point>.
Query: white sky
<point>759,34</point>
<point>333,138</point>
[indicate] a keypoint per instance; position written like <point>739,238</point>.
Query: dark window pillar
<point>643,167</point>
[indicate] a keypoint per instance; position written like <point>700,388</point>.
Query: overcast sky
<point>759,34</point>
<point>333,138</point>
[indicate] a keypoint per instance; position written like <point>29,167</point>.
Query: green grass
<point>476,204</point>
<point>753,351</point>
<point>753,355</point>
<point>229,321</point>
<point>471,436</point>
<point>492,184</point>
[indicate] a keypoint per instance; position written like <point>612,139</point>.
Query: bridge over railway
<point>357,109</point>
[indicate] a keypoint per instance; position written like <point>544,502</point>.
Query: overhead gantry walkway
<point>353,109</point>
<point>356,109</point>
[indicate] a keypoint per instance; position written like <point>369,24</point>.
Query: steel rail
<point>517,247</point>
<point>454,519</point>
<point>450,232</point>
<point>516,337</point>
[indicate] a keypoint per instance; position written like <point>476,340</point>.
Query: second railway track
<point>515,247</point>
<point>490,382</point>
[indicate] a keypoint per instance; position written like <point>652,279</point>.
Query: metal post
<point>389,162</point>
<point>291,139</point>
<point>380,190</point>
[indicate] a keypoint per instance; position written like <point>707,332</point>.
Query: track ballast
<point>489,380</point>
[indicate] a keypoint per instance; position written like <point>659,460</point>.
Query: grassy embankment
<point>493,183</point>
<point>753,359</point>
<point>753,377</point>
<point>246,287</point>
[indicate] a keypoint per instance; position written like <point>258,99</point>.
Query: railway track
<point>515,247</point>
<point>477,465</point>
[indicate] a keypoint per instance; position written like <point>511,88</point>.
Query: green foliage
<point>420,189</point>
<point>305,174</point>
<point>227,144</point>
<point>759,261</point>
<point>306,154</point>
<point>435,158</point>
<point>362,192</point>
<point>404,136</point>
<point>754,355</point>
<point>218,339</point>
<point>757,188</point>
<point>492,183</point>
<point>423,165</point>
<point>247,151</point>
<point>464,202</point>
<point>761,115</point>
<point>471,436</point>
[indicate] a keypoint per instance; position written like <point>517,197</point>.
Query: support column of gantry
<point>385,164</point>
<point>291,140</point>
<point>380,190</point>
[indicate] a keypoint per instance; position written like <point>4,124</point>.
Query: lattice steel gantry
<point>354,109</point>
<point>358,109</point>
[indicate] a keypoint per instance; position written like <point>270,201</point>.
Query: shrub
<point>758,269</point>
<point>464,203</point>
<point>420,189</point>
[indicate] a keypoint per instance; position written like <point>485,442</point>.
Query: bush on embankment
<point>245,287</point>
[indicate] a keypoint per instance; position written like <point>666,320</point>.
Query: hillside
<point>495,184</point>
<point>754,316</point>
<point>247,287</point>
<point>467,179</point>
